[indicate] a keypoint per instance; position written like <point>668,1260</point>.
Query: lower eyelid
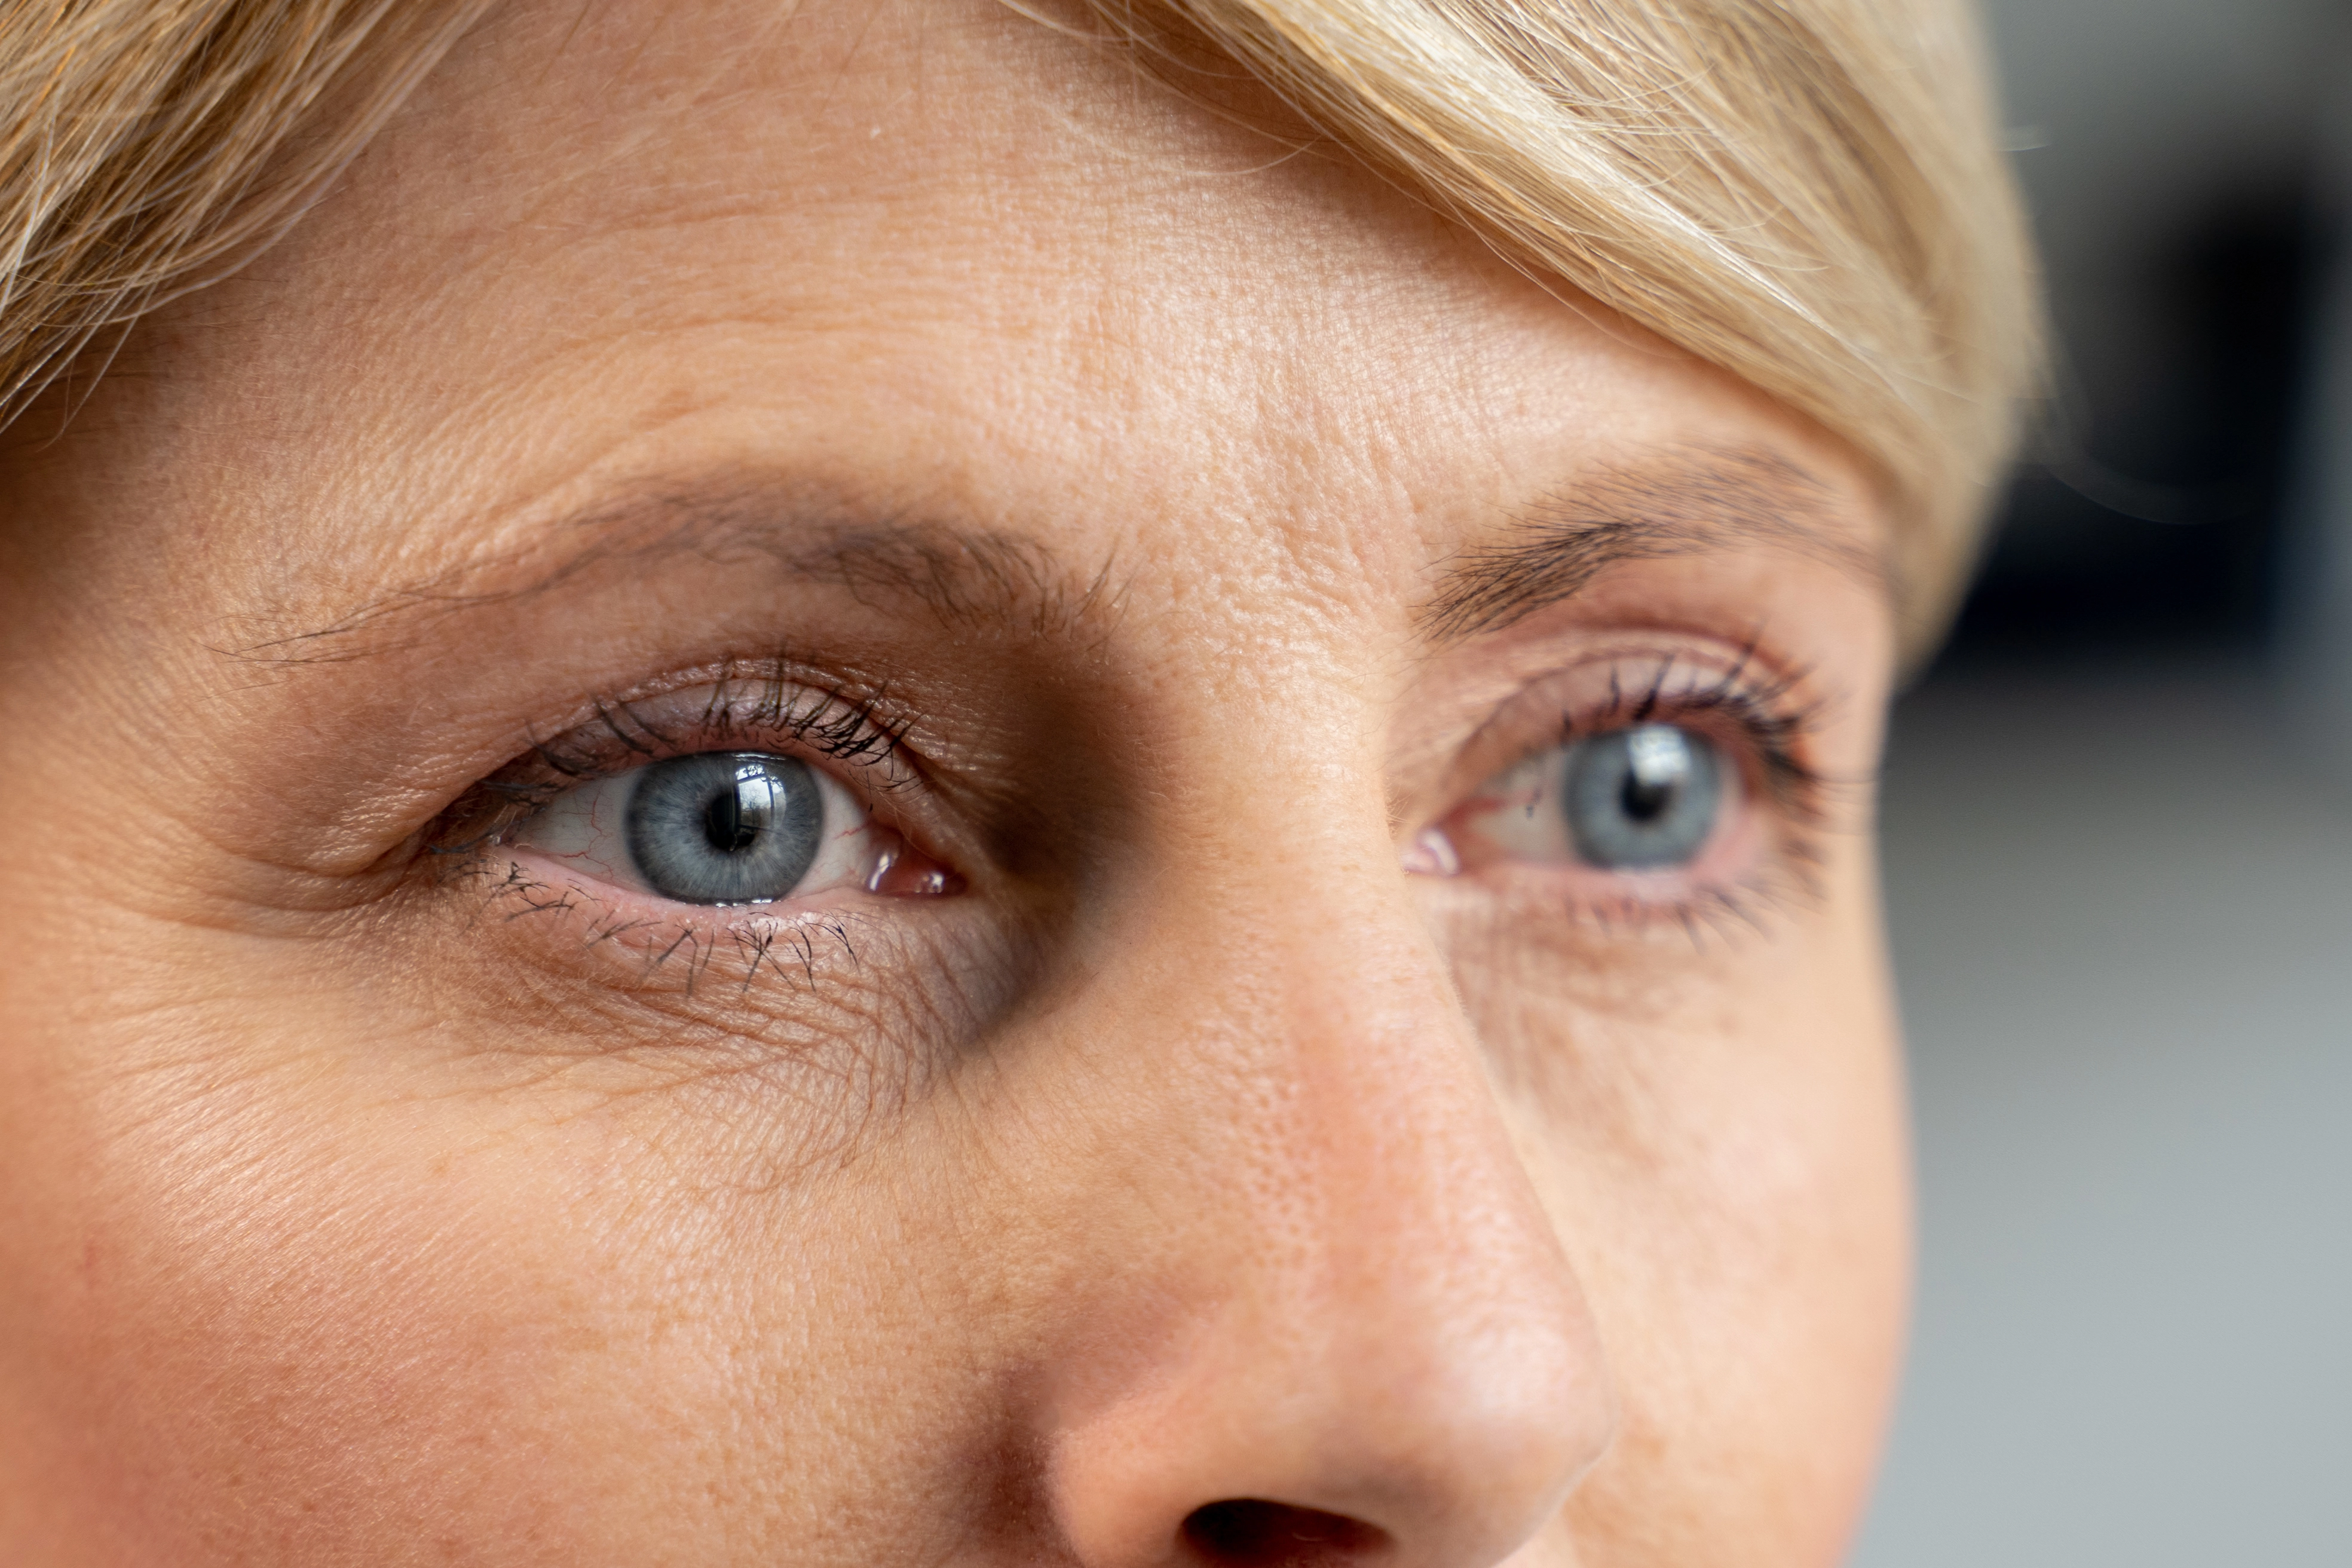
<point>634,905</point>
<point>799,978</point>
<point>1740,876</point>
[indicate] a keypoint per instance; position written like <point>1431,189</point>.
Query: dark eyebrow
<point>1697,501</point>
<point>880,556</point>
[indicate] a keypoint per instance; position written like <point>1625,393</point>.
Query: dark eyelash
<point>1774,727</point>
<point>800,711</point>
<point>789,707</point>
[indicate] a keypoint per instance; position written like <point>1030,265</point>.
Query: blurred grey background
<point>2118,827</point>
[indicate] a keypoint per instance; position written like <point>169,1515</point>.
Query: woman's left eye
<point>714,827</point>
<point>1648,797</point>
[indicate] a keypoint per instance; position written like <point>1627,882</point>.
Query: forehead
<point>941,254</point>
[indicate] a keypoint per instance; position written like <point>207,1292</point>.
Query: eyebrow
<point>1696,502</point>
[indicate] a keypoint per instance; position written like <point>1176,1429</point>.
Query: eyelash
<point>1773,727</point>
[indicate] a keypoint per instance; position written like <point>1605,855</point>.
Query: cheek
<point>290,1317</point>
<point>1727,1165</point>
<point>299,1314</point>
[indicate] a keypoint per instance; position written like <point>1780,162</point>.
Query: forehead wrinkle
<point>1700,502</point>
<point>882,558</point>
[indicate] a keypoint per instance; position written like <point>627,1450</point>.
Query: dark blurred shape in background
<point>2118,830</point>
<point>2175,153</point>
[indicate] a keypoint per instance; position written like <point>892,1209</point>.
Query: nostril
<point>1246,1532</point>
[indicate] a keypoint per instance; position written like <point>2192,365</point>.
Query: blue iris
<point>724,827</point>
<point>1642,798</point>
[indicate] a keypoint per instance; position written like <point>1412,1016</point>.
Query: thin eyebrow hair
<point>879,557</point>
<point>1698,502</point>
<point>963,576</point>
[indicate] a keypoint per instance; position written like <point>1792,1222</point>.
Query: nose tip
<point>1269,1452</point>
<point>1411,1379</point>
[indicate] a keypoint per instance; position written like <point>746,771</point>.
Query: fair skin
<point>1156,537</point>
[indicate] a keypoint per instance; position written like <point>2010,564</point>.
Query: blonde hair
<point>1805,193</point>
<point>151,146</point>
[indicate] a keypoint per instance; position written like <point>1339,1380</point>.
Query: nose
<point>1344,1331</point>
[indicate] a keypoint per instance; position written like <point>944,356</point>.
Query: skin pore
<point>1164,534</point>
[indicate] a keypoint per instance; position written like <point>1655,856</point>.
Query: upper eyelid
<point>1644,681</point>
<point>1753,711</point>
<point>1778,735</point>
<point>846,729</point>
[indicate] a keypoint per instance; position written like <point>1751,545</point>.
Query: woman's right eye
<point>717,828</point>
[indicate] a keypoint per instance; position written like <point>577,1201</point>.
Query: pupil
<point>737,813</point>
<point>1646,799</point>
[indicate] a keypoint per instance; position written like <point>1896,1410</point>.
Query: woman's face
<point>832,790</point>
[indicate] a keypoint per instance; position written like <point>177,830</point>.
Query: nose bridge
<point>1380,1145</point>
<point>1365,1096</point>
<point>1380,1323</point>
<point>1418,1248</point>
